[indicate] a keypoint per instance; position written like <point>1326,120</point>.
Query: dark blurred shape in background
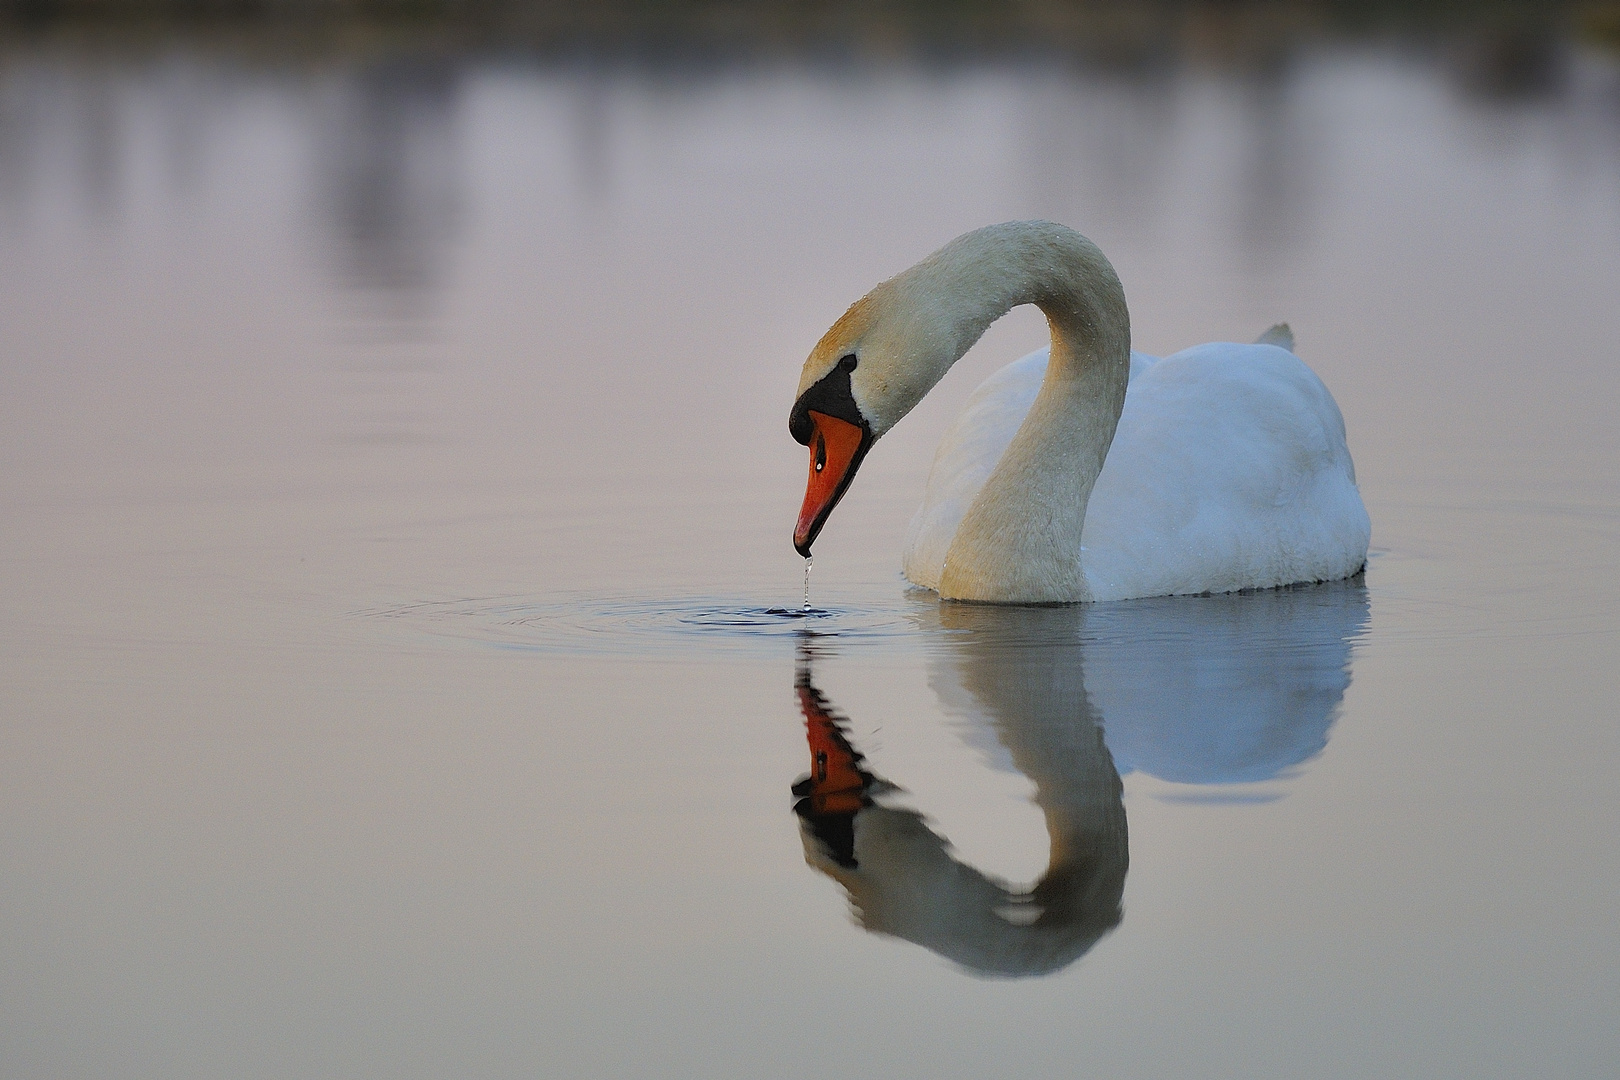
<point>387,177</point>
<point>1502,45</point>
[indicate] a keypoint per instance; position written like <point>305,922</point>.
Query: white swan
<point>1228,469</point>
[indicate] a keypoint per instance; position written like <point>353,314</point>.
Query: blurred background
<point>387,88</point>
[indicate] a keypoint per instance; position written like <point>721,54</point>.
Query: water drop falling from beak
<point>808,562</point>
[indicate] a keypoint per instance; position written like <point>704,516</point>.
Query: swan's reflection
<point>900,875</point>
<point>1211,690</point>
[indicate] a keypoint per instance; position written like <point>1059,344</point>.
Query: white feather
<point>1229,470</point>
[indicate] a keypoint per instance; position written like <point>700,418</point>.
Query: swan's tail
<point>1279,335</point>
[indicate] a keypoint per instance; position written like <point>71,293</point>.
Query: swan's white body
<point>1083,472</point>
<point>1228,470</point>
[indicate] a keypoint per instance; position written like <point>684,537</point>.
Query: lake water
<point>395,489</point>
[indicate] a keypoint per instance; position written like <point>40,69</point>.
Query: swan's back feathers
<point>1229,470</point>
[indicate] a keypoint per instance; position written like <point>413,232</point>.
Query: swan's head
<point>867,372</point>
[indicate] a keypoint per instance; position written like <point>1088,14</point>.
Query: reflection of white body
<point>1229,468</point>
<point>1197,690</point>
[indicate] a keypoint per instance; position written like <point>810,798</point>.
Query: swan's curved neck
<point>1020,540</point>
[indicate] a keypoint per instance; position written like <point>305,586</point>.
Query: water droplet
<point>807,564</point>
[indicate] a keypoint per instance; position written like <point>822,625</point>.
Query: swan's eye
<point>847,363</point>
<point>821,453</point>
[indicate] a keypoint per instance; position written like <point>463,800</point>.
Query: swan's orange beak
<point>836,450</point>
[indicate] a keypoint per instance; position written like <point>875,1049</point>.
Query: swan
<point>1082,472</point>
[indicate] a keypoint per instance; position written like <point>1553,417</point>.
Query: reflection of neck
<point>1044,719</point>
<point>1021,670</point>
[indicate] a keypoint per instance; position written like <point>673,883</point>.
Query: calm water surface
<point>396,491</point>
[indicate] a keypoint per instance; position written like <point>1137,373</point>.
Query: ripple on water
<point>623,625</point>
<point>1192,626</point>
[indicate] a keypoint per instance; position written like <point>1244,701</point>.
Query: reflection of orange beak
<point>836,783</point>
<point>836,449</point>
